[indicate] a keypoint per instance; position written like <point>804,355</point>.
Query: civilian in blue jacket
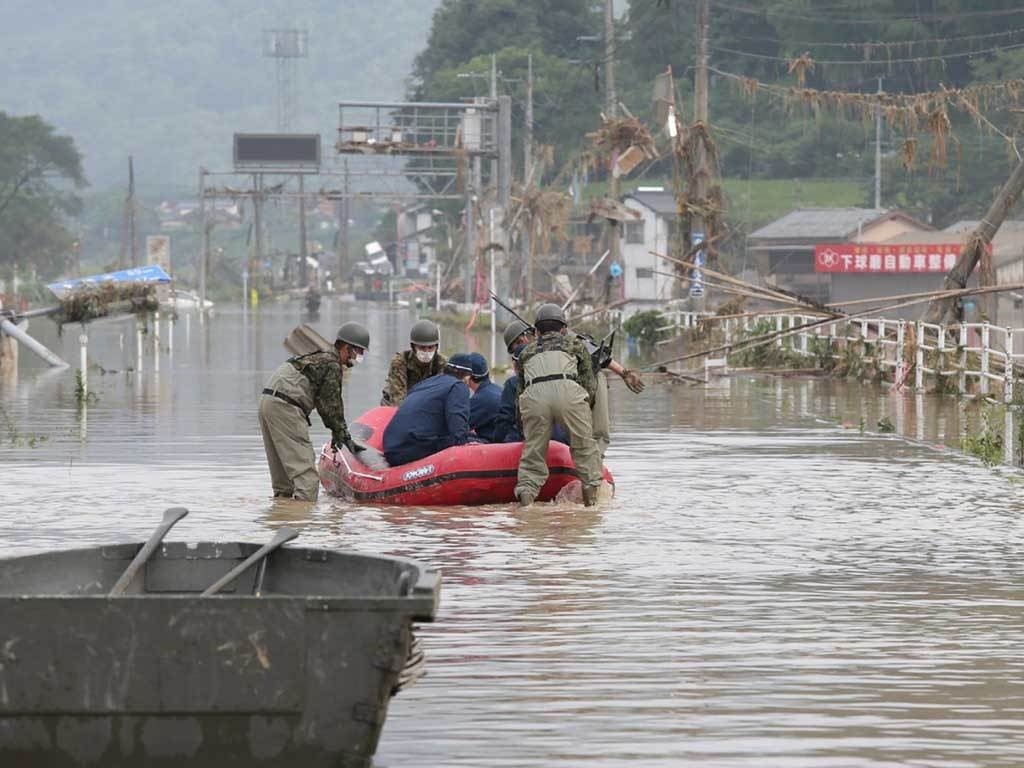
<point>483,406</point>
<point>433,416</point>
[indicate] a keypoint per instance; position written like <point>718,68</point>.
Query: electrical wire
<point>869,62</point>
<point>995,13</point>
<point>876,44</point>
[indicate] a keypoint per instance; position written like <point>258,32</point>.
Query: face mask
<point>425,356</point>
<point>357,359</point>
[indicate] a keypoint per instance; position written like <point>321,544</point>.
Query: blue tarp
<point>149,274</point>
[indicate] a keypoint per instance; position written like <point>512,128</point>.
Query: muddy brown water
<point>769,586</point>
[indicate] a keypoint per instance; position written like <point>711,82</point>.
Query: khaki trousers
<point>290,454</point>
<point>541,405</point>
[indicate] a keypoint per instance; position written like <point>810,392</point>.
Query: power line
<point>873,21</point>
<point>879,44</point>
<point>870,62</point>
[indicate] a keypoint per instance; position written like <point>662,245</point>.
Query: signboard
<point>150,274</point>
<point>697,275</point>
<point>277,151</point>
<point>158,251</point>
<point>874,259</point>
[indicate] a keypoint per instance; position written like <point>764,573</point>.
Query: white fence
<point>979,357</point>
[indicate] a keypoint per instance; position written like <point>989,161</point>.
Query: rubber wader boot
<point>590,495</point>
<point>525,499</point>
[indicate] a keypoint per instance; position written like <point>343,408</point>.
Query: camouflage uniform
<point>556,383</point>
<point>405,372</point>
<point>298,386</point>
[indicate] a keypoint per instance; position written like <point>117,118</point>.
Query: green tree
<point>39,173</point>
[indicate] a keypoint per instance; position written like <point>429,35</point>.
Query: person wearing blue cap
<point>486,399</point>
<point>433,416</point>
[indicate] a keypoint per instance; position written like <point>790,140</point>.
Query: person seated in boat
<point>486,399</point>
<point>299,385</point>
<point>556,384</point>
<point>421,361</point>
<point>433,416</point>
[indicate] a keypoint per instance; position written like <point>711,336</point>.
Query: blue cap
<point>461,362</point>
<point>480,368</point>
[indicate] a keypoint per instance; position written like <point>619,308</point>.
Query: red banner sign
<point>870,258</point>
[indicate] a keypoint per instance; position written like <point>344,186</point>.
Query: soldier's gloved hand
<point>633,381</point>
<point>354,447</point>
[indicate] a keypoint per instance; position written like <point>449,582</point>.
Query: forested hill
<point>169,81</point>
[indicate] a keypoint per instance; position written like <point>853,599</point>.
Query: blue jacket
<point>506,428</point>
<point>483,410</point>
<point>433,416</point>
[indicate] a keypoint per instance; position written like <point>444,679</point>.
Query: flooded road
<point>769,586</point>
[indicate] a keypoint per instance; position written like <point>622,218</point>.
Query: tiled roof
<point>807,223</point>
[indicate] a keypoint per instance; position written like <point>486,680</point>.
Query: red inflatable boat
<point>465,475</point>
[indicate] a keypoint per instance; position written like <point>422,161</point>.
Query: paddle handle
<point>171,516</point>
<point>282,536</point>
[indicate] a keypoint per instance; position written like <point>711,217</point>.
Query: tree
<point>39,171</point>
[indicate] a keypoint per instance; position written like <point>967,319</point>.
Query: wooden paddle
<point>171,516</point>
<point>282,536</point>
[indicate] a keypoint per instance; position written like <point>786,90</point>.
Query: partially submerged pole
<point>980,239</point>
<point>6,326</point>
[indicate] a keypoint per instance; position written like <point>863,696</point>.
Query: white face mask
<point>425,355</point>
<point>357,359</point>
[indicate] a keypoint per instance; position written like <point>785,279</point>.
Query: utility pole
<point>204,235</point>
<point>527,176</point>
<point>494,76</point>
<point>129,255</point>
<point>700,117</point>
<point>256,258</point>
<point>303,266</point>
<point>611,110</point>
<point>878,152</point>
<point>343,217</point>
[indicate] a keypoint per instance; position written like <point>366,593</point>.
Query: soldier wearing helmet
<point>421,361</point>
<point>300,385</point>
<point>556,385</point>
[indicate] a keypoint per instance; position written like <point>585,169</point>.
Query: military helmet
<point>355,334</point>
<point>514,330</point>
<point>424,333</point>
<point>550,312</point>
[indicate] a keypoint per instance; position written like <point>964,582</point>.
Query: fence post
<point>778,327</point>
<point>984,359</point>
<point>963,359</point>
<point>919,360</point>
<point>901,331</point>
<point>803,335</point>
<point>1008,370</point>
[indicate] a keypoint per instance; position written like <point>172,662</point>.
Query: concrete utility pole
<point>526,240</point>
<point>343,216</point>
<point>204,239</point>
<point>979,239</point>
<point>878,152</point>
<point>611,110</point>
<point>256,259</point>
<point>129,256</point>
<point>303,266</point>
<point>700,116</point>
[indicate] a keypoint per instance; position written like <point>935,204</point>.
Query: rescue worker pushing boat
<point>421,361</point>
<point>298,386</point>
<point>556,384</point>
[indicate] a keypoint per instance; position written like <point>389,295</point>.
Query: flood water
<point>769,587</point>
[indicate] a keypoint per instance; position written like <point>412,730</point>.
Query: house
<point>837,254</point>
<point>416,230</point>
<point>648,280</point>
<point>1008,261</point>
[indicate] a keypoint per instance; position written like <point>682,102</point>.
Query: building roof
<point>662,203</point>
<point>827,223</point>
<point>1007,245</point>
